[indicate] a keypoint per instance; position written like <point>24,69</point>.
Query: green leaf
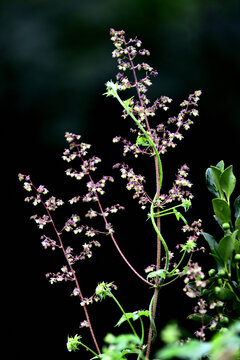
<point>161,273</point>
<point>179,216</point>
<point>236,238</point>
<point>210,183</point>
<point>142,140</point>
<point>225,248</point>
<point>237,226</point>
<point>236,207</point>
<point>127,102</point>
<point>211,241</point>
<point>205,319</point>
<point>171,333</point>
<point>193,350</point>
<point>222,210</point>
<point>220,166</point>
<point>228,181</point>
<point>225,294</point>
<point>132,315</point>
<point>216,175</point>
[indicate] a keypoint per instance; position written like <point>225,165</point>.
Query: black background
<point>55,60</point>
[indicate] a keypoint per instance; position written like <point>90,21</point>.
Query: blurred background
<point>55,59</point>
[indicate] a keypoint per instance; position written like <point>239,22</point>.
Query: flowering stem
<point>159,178</point>
<point>148,137</point>
<point>71,269</point>
<point>107,226</point>
<point>171,273</point>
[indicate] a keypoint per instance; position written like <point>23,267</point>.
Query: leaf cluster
<point>224,282</point>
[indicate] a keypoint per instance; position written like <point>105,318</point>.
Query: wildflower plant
<point>149,137</point>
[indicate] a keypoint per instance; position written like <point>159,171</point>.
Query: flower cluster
<point>135,182</point>
<point>64,275</point>
<point>75,148</point>
<point>194,280</point>
<point>179,191</point>
<point>126,52</point>
<point>210,312</point>
<point>196,230</point>
<point>47,242</point>
<point>102,290</point>
<point>95,189</point>
<point>50,204</point>
<point>108,210</point>
<point>72,224</point>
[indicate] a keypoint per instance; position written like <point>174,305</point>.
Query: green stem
<point>142,330</point>
<point>181,260</point>
<point>166,210</point>
<point>154,330</point>
<point>145,134</point>
<point>160,236</point>
<point>120,307</point>
<point>88,349</point>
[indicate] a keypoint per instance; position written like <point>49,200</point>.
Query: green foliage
<point>170,334</point>
<point>133,315</point>
<point>221,210</point>
<point>143,141</point>
<point>224,282</point>
<point>161,273</point>
<point>224,345</point>
<point>118,347</point>
<point>193,350</point>
<point>221,182</point>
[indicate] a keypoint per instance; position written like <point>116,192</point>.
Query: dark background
<point>55,59</point>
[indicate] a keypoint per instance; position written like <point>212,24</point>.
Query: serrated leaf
<point>228,181</point>
<point>225,248</point>
<point>236,206</point>
<point>222,210</point>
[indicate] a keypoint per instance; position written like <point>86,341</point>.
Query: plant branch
<point>111,234</point>
<point>71,269</point>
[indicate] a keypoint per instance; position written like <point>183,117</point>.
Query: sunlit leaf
<point>210,183</point>
<point>228,181</point>
<point>222,210</point>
